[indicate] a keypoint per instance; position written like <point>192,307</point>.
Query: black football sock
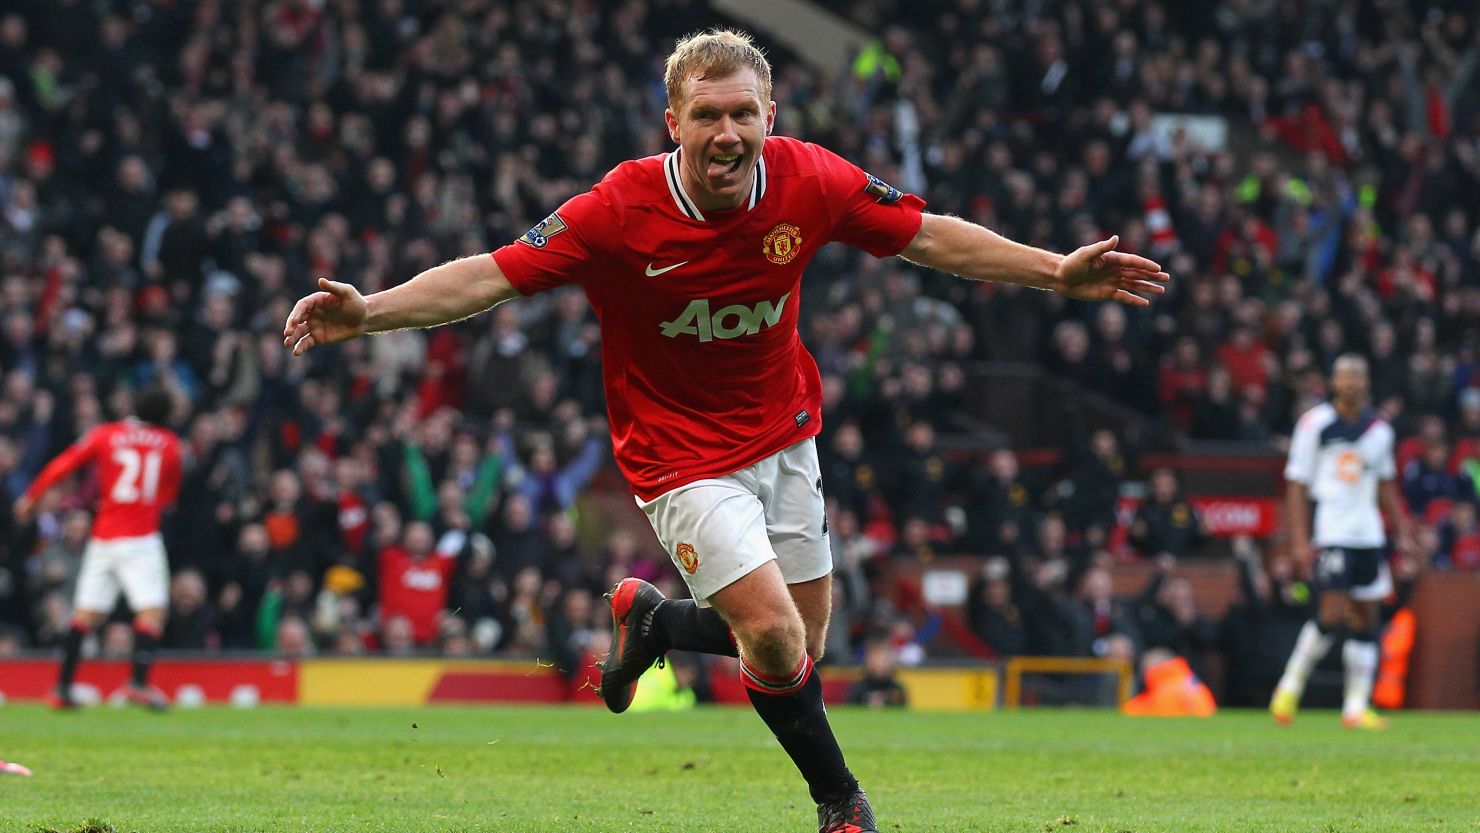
<point>71,653</point>
<point>145,644</point>
<point>681,625</point>
<point>792,708</point>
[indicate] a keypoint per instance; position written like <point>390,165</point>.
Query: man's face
<point>1349,382</point>
<point>721,124</point>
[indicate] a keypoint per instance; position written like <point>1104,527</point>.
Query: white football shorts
<point>719,529</point>
<point>137,567</point>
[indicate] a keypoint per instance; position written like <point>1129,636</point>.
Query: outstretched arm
<point>440,295</point>
<point>76,456</point>
<point>1093,273</point>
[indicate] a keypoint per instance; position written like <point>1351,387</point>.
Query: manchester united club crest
<point>782,244</point>
<point>687,557</point>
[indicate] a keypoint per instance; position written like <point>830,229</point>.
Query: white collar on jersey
<point>686,204</point>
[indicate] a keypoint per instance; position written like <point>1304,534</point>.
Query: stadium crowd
<point>173,175</point>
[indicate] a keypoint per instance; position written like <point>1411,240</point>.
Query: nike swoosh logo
<point>653,273</point>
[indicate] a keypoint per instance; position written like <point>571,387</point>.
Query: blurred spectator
<point>1166,521</point>
<point>54,569</point>
<point>847,472</point>
<point>569,630</point>
<point>922,476</point>
<point>414,582</point>
<point>552,488</point>
<point>1260,628</point>
<point>1167,617</point>
<point>1000,506</point>
<point>1086,495</point>
<point>1170,690</point>
<point>1429,482</point>
<point>992,614</point>
<point>117,641</point>
<point>1459,539</point>
<point>192,622</point>
<point>12,641</point>
<point>1215,415</point>
<point>1098,615</point>
<point>877,687</point>
<point>397,636</point>
<point>293,640</point>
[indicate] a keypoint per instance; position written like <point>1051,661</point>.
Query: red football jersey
<point>415,588</point>
<point>705,372</point>
<point>138,470</point>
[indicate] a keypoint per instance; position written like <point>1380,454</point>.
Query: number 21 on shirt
<point>138,476</point>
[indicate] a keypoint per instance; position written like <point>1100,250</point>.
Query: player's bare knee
<point>86,621</point>
<point>774,645</point>
<point>1362,617</point>
<point>1332,613</point>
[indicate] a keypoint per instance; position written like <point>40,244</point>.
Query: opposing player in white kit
<point>138,464</point>
<point>1341,457</point>
<point>692,261</point>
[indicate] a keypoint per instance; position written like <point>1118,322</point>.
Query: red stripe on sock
<point>79,625</point>
<point>146,630</point>
<point>757,681</point>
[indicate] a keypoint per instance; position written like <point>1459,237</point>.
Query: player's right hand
<point>336,313</point>
<point>22,509</point>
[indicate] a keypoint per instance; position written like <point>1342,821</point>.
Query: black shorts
<point>1361,572</point>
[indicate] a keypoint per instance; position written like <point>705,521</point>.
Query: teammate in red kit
<point>692,262</point>
<point>138,463</point>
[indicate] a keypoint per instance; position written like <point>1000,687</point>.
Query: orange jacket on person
<point>1171,691</point>
<point>1391,689</point>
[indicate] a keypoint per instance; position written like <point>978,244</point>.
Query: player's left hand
<point>22,510</point>
<point>1099,273</point>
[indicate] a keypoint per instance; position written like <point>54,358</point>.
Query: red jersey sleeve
<point>869,213</point>
<point>75,457</point>
<point>562,248</point>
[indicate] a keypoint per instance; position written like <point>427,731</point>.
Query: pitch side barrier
<point>249,681</point>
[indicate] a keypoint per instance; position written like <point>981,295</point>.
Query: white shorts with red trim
<point>137,567</point>
<point>720,529</point>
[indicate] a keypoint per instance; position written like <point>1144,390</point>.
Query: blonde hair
<point>714,54</point>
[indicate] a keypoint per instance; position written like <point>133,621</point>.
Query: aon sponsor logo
<point>732,321</point>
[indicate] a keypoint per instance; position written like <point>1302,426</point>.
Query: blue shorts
<point>1361,572</point>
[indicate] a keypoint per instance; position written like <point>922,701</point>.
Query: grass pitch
<point>451,770</point>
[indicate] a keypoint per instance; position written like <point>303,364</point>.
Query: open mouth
<point>723,165</point>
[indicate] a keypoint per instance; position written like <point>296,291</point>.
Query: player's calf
<point>791,705</point>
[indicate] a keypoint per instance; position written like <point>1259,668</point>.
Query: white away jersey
<point>1341,464</point>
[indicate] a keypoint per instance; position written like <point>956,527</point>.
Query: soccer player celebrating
<point>1341,456</point>
<point>138,462</point>
<point>692,260</point>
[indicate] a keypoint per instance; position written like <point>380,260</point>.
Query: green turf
<point>504,769</point>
